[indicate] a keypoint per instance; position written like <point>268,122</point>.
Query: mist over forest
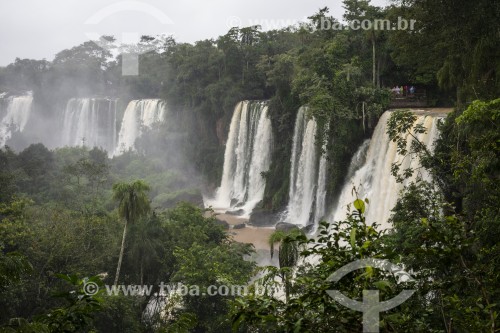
<point>330,175</point>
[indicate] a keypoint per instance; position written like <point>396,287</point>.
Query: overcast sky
<point>39,29</point>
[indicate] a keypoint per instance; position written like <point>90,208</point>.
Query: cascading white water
<point>247,156</point>
<point>15,116</point>
<point>373,179</point>
<point>261,158</point>
<point>320,208</point>
<point>307,174</point>
<point>90,122</point>
<point>139,114</point>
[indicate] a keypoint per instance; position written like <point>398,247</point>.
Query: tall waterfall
<point>370,172</point>
<point>15,112</point>
<point>307,174</point>
<point>247,155</point>
<point>139,114</point>
<point>90,122</point>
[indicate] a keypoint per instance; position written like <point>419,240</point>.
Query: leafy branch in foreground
<point>308,307</point>
<point>404,130</point>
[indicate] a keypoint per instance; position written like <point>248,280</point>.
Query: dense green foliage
<point>68,215</point>
<point>309,308</point>
<point>63,220</point>
<point>457,47</point>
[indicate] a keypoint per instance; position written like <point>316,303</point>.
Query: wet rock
<point>263,218</point>
<point>283,226</point>
<point>238,212</point>
<point>308,228</point>
<point>223,223</point>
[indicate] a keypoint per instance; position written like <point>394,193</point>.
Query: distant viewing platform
<point>435,112</point>
<point>406,99</point>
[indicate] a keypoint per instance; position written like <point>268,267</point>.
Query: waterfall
<point>247,156</point>
<point>320,208</point>
<point>308,171</point>
<point>15,114</point>
<point>90,122</point>
<point>370,172</point>
<point>139,115</point>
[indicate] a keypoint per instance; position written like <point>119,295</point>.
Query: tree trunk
<point>363,109</point>
<point>142,274</point>
<point>374,74</point>
<point>287,288</point>
<point>379,64</point>
<point>120,258</point>
<point>459,97</point>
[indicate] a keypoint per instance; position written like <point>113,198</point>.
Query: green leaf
<point>353,237</point>
<point>298,326</point>
<point>383,285</point>
<point>368,272</point>
<point>359,205</point>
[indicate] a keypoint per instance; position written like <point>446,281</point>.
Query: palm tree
<point>288,256</point>
<point>133,203</point>
<point>351,69</point>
